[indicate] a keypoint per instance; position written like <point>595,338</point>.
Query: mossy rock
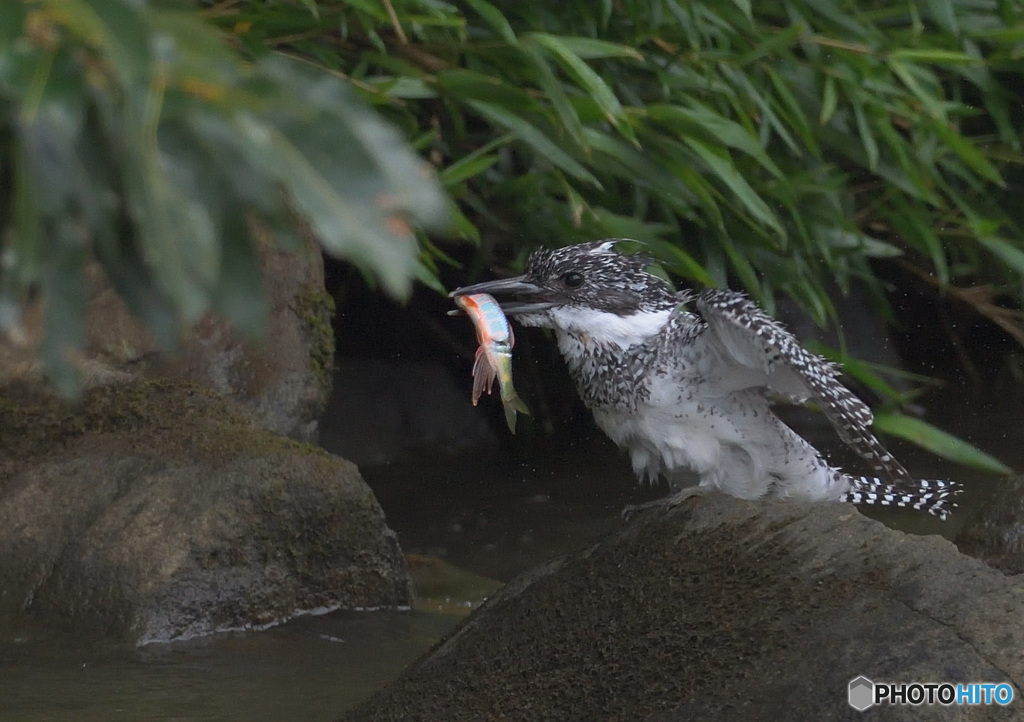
<point>724,609</point>
<point>157,510</point>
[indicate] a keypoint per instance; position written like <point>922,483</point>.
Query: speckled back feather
<point>850,416</point>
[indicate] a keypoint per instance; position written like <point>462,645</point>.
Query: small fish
<point>494,355</point>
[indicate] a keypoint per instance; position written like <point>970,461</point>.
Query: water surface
<point>495,515</point>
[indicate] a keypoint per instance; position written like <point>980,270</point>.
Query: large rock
<point>725,609</point>
<point>996,534</point>
<point>285,379</point>
<point>156,511</point>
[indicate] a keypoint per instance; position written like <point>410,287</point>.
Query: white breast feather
<point>610,328</point>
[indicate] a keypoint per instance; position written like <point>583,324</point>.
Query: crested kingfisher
<point>683,380</point>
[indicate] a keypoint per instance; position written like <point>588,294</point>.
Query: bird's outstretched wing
<point>755,341</point>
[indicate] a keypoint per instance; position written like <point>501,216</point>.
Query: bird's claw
<point>664,504</point>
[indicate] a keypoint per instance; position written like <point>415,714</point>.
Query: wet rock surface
<point>997,532</point>
<point>157,510</point>
<point>725,609</point>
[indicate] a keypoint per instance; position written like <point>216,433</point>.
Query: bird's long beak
<point>529,296</point>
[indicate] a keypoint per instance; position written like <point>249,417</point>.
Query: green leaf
<point>744,7</point>
<point>12,18</point>
<point>586,76</point>
<point>345,228</point>
<point>405,88</point>
<point>773,43</point>
<point>474,163</point>
<point>312,7</point>
<point>788,107</point>
<point>944,13</point>
<point>913,225</point>
<point>938,442</point>
<point>829,101</point>
<point>466,168</point>
<point>870,247</point>
<point>681,262</point>
<point>864,373</point>
<point>932,55</point>
<point>725,171</point>
<point>470,84</point>
<point>713,125</point>
<point>462,227</point>
<point>238,293</point>
<point>555,93</point>
<point>114,28</point>
<point>534,137</point>
<point>625,161</point>
<point>613,225</point>
<point>867,137</point>
<point>1008,253</point>
<point>908,74</point>
<point>748,276</point>
<point>593,49</point>
<point>493,17</point>
<point>968,153</point>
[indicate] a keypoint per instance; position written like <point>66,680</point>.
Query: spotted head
<point>587,288</point>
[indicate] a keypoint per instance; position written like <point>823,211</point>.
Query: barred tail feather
<point>934,497</point>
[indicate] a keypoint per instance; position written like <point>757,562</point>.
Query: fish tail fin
<point>513,404</point>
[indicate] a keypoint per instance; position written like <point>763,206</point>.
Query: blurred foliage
<point>133,135</point>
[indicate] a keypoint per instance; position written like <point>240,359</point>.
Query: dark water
<point>310,669</point>
<point>495,515</point>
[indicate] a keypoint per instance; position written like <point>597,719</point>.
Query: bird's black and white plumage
<point>684,380</point>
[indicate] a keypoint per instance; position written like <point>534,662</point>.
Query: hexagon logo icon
<point>862,693</point>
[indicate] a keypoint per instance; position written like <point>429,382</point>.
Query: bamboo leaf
<point>712,125</point>
<point>466,168</point>
<point>586,76</point>
<point>866,136</point>
<point>788,107</point>
<point>730,176</point>
<point>495,19</point>
<point>534,137</point>
<point>773,43</point>
<point>555,93</point>
<point>593,49</point>
<point>829,101</point>
<point>493,90</point>
<point>933,55</point>
<point>1008,253</point>
<point>631,163</point>
<point>968,153</point>
<point>938,442</point>
<point>474,163</point>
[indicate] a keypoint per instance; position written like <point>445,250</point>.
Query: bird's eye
<point>572,279</point>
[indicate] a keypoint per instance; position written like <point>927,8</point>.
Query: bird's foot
<point>665,503</point>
